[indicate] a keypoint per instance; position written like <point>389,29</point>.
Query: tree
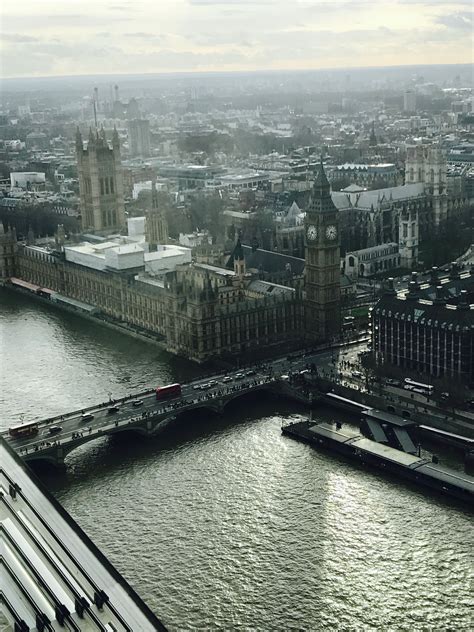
<point>41,218</point>
<point>369,368</point>
<point>205,212</point>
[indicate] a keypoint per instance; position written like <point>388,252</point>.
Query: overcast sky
<point>74,37</point>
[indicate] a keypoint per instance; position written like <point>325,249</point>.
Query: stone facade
<point>428,329</point>
<point>156,226</point>
<point>322,267</point>
<point>365,263</point>
<point>7,253</point>
<point>427,164</point>
<point>100,183</point>
<point>202,311</point>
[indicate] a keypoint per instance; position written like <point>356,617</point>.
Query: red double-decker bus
<point>167,392</point>
<point>24,430</point>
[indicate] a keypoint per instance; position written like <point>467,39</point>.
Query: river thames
<point>220,523</point>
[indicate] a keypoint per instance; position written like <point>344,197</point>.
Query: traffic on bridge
<point>149,411</point>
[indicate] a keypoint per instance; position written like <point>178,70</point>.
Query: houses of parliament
<point>201,305</point>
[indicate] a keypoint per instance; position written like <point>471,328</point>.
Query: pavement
<point>75,427</point>
<point>340,364</point>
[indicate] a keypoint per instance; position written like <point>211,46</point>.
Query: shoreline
<point>120,327</point>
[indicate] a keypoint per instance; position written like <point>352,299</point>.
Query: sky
<point>85,37</point>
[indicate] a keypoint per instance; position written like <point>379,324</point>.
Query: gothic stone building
<point>322,263</point>
<point>201,311</point>
<point>100,183</point>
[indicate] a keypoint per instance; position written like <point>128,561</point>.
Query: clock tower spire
<point>322,262</point>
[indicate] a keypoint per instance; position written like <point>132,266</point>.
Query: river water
<point>220,523</point>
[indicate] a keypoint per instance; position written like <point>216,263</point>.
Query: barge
<point>354,446</point>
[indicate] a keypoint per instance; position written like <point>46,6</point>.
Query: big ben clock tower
<point>322,263</point>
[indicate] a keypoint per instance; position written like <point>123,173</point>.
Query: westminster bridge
<point>142,413</point>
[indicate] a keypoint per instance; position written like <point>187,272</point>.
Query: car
<point>285,377</point>
<point>113,409</point>
<point>212,383</point>
<point>227,379</point>
<point>239,376</point>
<point>197,387</point>
<point>137,402</point>
<point>251,372</point>
<point>204,387</point>
<point>391,382</point>
<point>356,374</point>
<point>55,429</point>
<point>87,416</point>
<point>445,395</point>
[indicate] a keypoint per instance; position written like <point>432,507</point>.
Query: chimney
<point>463,302</point>
<point>439,299</point>
<point>390,289</point>
<point>434,276</point>
<point>454,272</point>
<point>412,291</point>
<point>414,279</point>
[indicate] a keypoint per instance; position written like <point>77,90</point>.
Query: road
<point>139,406</point>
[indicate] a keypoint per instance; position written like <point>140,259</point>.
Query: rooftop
<point>53,574</point>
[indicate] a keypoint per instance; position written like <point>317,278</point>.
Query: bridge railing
<point>111,402</point>
<point>214,375</point>
<point>172,407</point>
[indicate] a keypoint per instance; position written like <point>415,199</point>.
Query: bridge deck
<point>141,412</point>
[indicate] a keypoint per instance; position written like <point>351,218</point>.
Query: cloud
<point>120,7</point>
<point>229,2</point>
<point>17,38</point>
<point>144,35</point>
<point>120,36</point>
<point>461,20</point>
<point>32,21</point>
<point>436,3</point>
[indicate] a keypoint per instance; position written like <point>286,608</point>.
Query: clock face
<point>331,232</point>
<point>312,232</point>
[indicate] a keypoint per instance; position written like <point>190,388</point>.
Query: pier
<point>355,447</point>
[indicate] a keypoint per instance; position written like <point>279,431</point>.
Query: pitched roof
<point>268,261</point>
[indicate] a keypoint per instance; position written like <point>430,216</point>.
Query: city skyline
<point>229,35</point>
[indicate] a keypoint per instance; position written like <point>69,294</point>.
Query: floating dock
<point>362,450</point>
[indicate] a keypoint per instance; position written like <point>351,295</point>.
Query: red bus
<point>167,392</point>
<point>24,430</point>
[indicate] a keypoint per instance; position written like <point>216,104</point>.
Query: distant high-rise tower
<point>322,262</point>
<point>100,183</point>
<point>409,101</point>
<point>139,137</point>
<point>373,137</point>
<point>156,226</point>
<point>133,109</point>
